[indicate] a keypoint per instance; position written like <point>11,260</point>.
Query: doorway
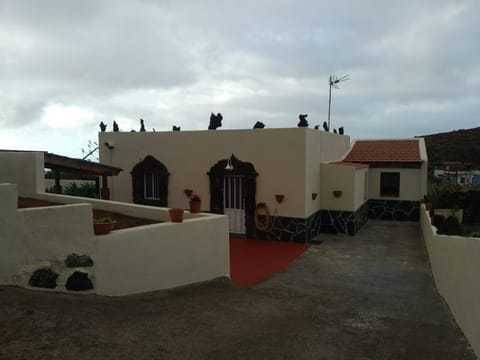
<point>234,203</point>
<point>232,192</point>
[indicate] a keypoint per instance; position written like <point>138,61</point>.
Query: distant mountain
<point>459,146</point>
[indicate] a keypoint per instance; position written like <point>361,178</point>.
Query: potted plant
<point>103,226</point>
<point>176,215</point>
<point>195,203</point>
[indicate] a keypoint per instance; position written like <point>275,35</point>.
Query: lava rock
<point>74,260</point>
<point>44,278</point>
<point>79,281</point>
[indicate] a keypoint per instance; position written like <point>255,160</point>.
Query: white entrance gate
<point>233,203</point>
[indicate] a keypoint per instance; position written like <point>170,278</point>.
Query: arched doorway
<point>150,182</point>
<point>232,192</point>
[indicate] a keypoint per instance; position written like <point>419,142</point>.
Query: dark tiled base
<point>343,222</point>
<point>338,222</point>
<point>300,230</point>
<point>399,210</point>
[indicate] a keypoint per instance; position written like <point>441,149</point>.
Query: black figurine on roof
<point>103,127</point>
<point>142,125</point>
<point>303,120</point>
<point>325,126</point>
<point>175,128</point>
<point>259,125</point>
<point>341,130</point>
<point>115,126</point>
<point>215,121</point>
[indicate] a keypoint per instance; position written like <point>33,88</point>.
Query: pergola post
<point>105,191</point>
<point>57,189</point>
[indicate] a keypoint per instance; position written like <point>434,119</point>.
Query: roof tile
<point>369,151</point>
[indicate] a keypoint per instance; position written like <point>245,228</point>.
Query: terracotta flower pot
<point>176,215</point>
<point>195,206</point>
<point>337,193</point>
<point>103,228</point>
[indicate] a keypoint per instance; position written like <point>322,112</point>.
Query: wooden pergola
<point>63,164</point>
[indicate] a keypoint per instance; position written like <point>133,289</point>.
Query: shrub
<point>86,189</point>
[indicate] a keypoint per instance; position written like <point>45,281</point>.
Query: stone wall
<point>308,230</point>
<point>399,210</point>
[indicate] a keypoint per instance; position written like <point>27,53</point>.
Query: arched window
<point>150,182</point>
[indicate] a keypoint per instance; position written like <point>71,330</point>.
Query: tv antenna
<point>333,81</point>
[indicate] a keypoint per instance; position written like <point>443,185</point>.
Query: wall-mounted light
<point>109,145</point>
<point>229,166</point>
<point>279,198</point>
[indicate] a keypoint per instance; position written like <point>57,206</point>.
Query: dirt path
<point>370,296</point>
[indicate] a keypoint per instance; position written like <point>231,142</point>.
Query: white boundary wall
<point>127,261</point>
<point>455,262</point>
<point>23,168</point>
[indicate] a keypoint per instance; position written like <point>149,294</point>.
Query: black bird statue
<point>303,120</point>
<point>325,126</point>
<point>115,126</point>
<point>175,128</point>
<point>215,121</point>
<point>142,125</point>
<point>334,131</point>
<point>316,127</point>
<point>340,130</point>
<point>259,125</point>
<point>103,127</point>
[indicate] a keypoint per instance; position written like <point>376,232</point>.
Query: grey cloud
<point>415,68</point>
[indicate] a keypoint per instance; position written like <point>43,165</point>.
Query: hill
<point>458,146</point>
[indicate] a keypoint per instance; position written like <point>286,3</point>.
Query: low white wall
<point>23,168</point>
<point>127,261</point>
<point>455,263</point>
<point>162,256</point>
<point>142,211</point>
<point>54,232</point>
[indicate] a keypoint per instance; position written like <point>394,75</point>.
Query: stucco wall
<point>321,147</point>
<point>411,183</point>
<point>23,168</point>
<point>361,187</point>
<point>278,156</point>
<point>8,220</point>
<point>455,263</point>
<point>163,256</point>
<point>342,178</point>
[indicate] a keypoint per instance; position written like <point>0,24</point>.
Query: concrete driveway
<point>370,296</point>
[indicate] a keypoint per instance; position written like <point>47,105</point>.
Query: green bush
<point>86,189</point>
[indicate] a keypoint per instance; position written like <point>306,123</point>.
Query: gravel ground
<point>370,296</point>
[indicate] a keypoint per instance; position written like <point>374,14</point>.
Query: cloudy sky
<point>65,66</point>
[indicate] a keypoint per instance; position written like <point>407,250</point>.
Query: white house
<point>285,184</point>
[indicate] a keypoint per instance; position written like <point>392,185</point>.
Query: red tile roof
<point>397,151</point>
<point>355,165</point>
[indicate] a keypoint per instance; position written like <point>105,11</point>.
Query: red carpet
<point>252,261</point>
